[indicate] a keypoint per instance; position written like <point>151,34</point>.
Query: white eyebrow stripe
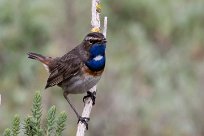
<point>97,58</point>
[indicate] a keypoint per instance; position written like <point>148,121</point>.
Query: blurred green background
<point>153,84</point>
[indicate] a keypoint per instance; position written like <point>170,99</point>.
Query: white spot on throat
<point>97,58</point>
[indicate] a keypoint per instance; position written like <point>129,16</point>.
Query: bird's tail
<point>41,58</point>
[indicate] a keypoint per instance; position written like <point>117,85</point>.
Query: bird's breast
<point>97,63</point>
<point>81,82</point>
<point>97,58</point>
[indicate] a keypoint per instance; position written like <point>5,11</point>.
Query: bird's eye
<point>92,41</point>
<point>95,40</point>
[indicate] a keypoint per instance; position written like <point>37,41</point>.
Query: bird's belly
<point>80,84</point>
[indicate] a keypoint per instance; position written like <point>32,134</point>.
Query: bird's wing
<point>64,68</point>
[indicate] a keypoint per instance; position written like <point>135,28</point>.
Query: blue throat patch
<point>97,50</point>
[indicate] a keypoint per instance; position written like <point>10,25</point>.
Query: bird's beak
<point>104,40</point>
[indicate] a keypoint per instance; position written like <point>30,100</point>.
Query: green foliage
<point>36,115</point>
<point>27,126</point>
<point>16,125</point>
<point>7,132</point>
<point>61,123</point>
<point>32,124</point>
<point>51,120</point>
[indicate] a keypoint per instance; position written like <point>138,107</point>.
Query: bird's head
<point>94,38</point>
<point>95,45</point>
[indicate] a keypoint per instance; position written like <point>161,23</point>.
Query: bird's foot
<point>92,95</point>
<point>84,120</point>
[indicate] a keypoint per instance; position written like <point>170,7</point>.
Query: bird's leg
<point>73,108</point>
<point>92,95</point>
<point>82,119</point>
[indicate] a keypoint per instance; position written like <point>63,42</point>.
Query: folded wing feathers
<point>64,69</point>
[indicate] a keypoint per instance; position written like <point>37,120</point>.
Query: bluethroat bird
<point>78,70</point>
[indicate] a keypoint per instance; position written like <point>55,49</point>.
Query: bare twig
<point>95,24</point>
<point>86,113</point>
<point>105,26</point>
<point>95,16</point>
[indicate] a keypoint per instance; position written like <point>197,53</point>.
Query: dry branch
<point>95,24</point>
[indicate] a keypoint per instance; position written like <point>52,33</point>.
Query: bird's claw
<point>92,95</point>
<point>84,120</point>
